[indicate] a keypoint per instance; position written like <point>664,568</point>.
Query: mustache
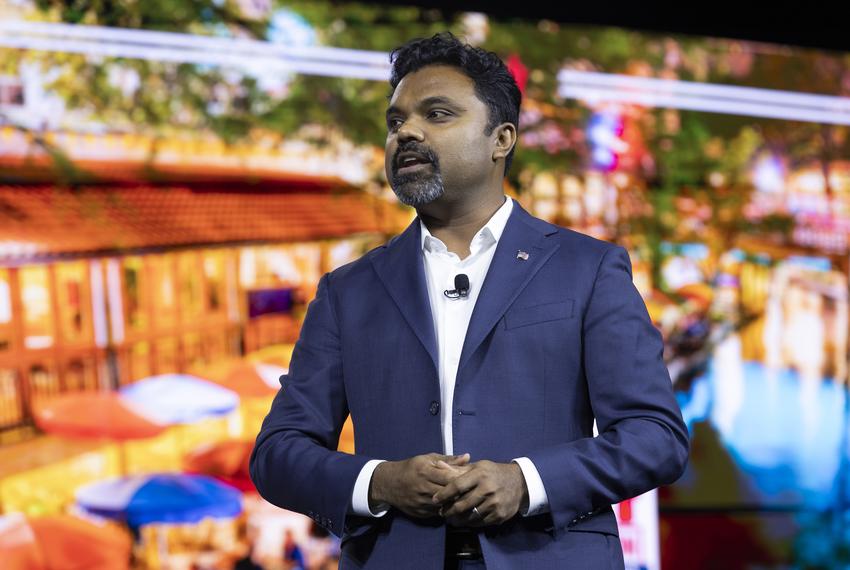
<point>418,149</point>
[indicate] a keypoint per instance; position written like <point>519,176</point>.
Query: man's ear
<point>505,140</point>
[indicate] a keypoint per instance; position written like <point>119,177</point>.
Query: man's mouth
<point>409,162</point>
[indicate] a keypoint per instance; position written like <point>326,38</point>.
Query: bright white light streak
<point>711,105</point>
<point>251,55</point>
<point>174,40</point>
<point>197,57</point>
<point>568,78</point>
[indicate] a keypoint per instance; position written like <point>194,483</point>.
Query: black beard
<point>417,188</point>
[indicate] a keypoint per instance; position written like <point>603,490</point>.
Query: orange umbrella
<point>254,380</point>
<point>94,415</point>
<point>226,460</point>
<point>62,542</point>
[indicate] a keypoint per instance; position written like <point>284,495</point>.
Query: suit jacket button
<point>435,408</point>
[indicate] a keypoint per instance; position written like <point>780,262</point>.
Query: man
<point>473,404</point>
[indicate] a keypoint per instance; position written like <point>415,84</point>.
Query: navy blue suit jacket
<point>554,341</point>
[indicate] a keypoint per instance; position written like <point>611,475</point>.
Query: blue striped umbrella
<point>160,498</point>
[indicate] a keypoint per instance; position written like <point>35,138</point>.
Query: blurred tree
<point>164,15</point>
<point>681,149</point>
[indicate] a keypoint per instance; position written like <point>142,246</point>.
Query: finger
<point>456,510</point>
<point>485,516</point>
<point>427,491</point>
<point>432,458</point>
<point>489,513</point>
<point>464,505</point>
<point>441,476</point>
<point>423,503</point>
<point>449,459</point>
<point>458,459</point>
<point>443,466</point>
<point>459,486</point>
<point>442,473</point>
<point>459,469</point>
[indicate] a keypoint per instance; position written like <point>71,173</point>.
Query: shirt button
<point>435,408</point>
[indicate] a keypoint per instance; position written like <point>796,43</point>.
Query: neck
<point>456,224</point>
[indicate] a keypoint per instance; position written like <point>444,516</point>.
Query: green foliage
<point>704,156</point>
<point>165,15</point>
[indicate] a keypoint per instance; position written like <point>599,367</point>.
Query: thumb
<point>458,459</point>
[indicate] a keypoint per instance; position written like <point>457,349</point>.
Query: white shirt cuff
<point>360,496</point>
<point>538,501</point>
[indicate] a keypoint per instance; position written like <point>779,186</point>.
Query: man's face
<point>436,144</point>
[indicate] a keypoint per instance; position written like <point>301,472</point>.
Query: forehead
<point>433,81</point>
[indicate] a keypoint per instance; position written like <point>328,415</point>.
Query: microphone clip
<point>456,294</point>
<point>461,289</point>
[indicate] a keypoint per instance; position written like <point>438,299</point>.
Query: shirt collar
<point>492,230</point>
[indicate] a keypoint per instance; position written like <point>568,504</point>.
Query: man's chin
<point>414,200</point>
<point>417,194</point>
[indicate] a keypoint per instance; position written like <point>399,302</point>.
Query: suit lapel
<point>400,268</point>
<point>508,274</point>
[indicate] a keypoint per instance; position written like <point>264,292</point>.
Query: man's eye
<point>438,114</point>
<point>394,124</point>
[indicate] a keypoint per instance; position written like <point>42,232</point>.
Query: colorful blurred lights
<point>17,249</point>
<point>603,132</point>
<point>769,175</point>
<point>604,158</point>
<point>810,182</point>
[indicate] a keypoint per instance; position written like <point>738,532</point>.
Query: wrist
<point>378,485</point>
<point>522,486</point>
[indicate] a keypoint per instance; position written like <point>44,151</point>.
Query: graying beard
<point>417,191</point>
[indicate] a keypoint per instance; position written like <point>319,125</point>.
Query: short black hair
<point>494,84</point>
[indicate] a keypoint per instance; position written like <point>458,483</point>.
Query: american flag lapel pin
<point>523,255</point>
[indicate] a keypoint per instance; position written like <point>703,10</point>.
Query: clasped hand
<point>451,486</point>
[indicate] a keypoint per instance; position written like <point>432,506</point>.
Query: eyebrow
<point>429,101</point>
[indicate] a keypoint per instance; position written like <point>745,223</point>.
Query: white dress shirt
<point>451,319</point>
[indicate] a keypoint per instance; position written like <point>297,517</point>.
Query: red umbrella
<point>226,460</point>
<point>62,542</point>
<point>95,415</point>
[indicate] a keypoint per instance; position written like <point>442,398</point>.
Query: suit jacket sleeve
<point>294,464</point>
<point>642,440</point>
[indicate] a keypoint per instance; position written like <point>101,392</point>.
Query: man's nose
<point>409,131</point>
